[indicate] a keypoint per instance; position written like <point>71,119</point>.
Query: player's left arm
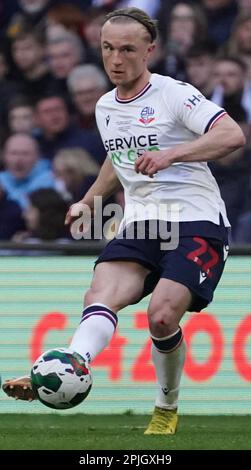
<point>222,139</point>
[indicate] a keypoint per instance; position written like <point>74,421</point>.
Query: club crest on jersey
<point>146,115</point>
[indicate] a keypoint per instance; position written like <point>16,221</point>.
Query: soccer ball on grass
<point>61,378</point>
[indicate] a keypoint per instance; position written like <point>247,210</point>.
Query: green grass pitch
<point>120,432</point>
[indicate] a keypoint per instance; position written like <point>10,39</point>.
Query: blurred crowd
<point>51,77</point>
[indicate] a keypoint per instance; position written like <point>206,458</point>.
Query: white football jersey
<point>164,114</point>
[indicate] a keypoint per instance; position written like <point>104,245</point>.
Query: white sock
<point>168,368</point>
<point>94,332</point>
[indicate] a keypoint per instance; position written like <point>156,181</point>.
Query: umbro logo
<point>165,391</point>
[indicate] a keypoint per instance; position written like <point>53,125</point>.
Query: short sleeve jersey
<point>164,114</point>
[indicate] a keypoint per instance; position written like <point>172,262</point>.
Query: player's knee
<point>107,297</point>
<point>162,319</point>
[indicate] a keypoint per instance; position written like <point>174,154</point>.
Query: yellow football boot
<point>162,422</point>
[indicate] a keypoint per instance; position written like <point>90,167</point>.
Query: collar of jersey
<point>135,97</point>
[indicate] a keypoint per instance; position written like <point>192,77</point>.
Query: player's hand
<point>152,161</point>
<point>69,216</point>
<point>74,212</point>
<point>79,217</point>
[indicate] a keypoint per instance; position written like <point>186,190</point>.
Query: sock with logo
<point>168,355</point>
<point>95,331</point>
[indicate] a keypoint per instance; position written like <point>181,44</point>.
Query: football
<point>61,378</point>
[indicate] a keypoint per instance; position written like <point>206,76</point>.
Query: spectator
<point>233,172</point>
<point>157,61</point>
<point>87,83</point>
<point>65,51</point>
<point>92,31</point>
<point>186,27</point>
<point>220,16</point>
<point>8,89</point>
<point>21,117</point>
<point>233,87</point>
<point>44,217</point>
<point>199,65</point>
<point>28,52</point>
<point>24,170</point>
<point>57,131</point>
<point>239,43</point>
<point>71,17</point>
<point>31,12</point>
<point>11,220</point>
<point>17,12</point>
<point>76,169</point>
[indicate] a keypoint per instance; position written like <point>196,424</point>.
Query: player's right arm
<point>105,185</point>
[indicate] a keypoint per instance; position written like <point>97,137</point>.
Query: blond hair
<point>78,161</point>
<point>125,15</point>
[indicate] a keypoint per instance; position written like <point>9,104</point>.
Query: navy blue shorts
<point>197,262</point>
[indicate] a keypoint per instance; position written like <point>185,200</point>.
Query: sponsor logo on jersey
<point>123,143</point>
<point>191,102</point>
<point>146,115</point>
<point>127,149</point>
<point>107,120</point>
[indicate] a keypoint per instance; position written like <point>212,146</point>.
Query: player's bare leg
<point>115,285</point>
